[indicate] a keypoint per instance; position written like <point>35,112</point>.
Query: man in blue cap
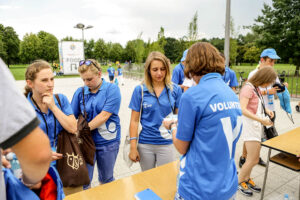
<point>268,57</point>
<point>178,71</point>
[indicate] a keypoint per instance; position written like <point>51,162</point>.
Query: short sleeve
<point>175,76</point>
<point>186,118</point>
<point>66,106</point>
<point>113,99</point>
<point>18,118</point>
<point>233,79</point>
<point>247,92</point>
<point>75,103</point>
<point>136,98</point>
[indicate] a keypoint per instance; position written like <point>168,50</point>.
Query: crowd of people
<point>195,108</point>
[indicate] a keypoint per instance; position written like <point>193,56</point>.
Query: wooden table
<point>162,180</point>
<point>289,146</point>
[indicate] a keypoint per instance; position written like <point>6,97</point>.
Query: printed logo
<point>72,46</point>
<point>74,161</point>
<point>145,105</point>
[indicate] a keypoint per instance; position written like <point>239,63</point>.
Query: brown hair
<point>264,75</point>
<point>156,55</point>
<point>203,58</point>
<point>94,67</point>
<point>32,70</point>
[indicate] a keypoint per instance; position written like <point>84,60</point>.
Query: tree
<point>218,43</point>
<point>139,48</point>
<point>129,51</point>
<point>2,47</point>
<point>30,48</point>
<point>101,50</point>
<point>10,44</point>
<point>89,49</point>
<point>172,49</point>
<point>252,54</point>
<point>116,52</point>
<point>161,40</point>
<point>69,38</point>
<point>49,46</point>
<point>193,28</point>
<point>278,28</point>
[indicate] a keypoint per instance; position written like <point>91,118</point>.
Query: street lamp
<point>82,27</point>
<point>227,33</point>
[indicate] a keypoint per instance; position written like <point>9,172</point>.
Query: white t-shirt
<point>17,116</point>
<point>265,97</point>
<point>188,82</point>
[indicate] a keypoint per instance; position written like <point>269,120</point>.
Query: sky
<point>123,20</point>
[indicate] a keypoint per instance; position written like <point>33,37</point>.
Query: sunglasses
<point>88,63</point>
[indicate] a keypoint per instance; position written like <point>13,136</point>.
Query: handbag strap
<point>141,106</point>
<point>261,101</point>
<point>83,101</point>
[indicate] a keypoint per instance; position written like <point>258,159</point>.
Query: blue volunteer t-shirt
<point>111,71</point>
<point>108,99</point>
<point>153,113</point>
<point>229,77</point>
<point>178,74</point>
<point>210,119</point>
<point>49,117</point>
<point>120,72</point>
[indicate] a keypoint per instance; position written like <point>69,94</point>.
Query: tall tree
<point>278,27</point>
<point>30,48</point>
<point>193,28</point>
<point>252,53</point>
<point>10,44</point>
<point>49,46</point>
<point>89,49</point>
<point>129,51</point>
<point>116,52</point>
<point>172,49</point>
<point>101,50</point>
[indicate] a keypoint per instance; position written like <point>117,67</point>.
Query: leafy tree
<point>89,49</point>
<point>278,27</point>
<point>139,50</point>
<point>218,43</point>
<point>129,51</point>
<point>252,54</point>
<point>30,48</point>
<point>116,52</point>
<point>193,28</point>
<point>49,46</point>
<point>2,48</point>
<point>172,49</point>
<point>101,50</point>
<point>9,45</point>
<point>161,40</point>
<point>233,50</point>
<point>69,38</point>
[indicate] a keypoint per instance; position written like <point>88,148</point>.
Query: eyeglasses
<point>88,63</point>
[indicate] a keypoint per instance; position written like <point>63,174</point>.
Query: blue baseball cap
<point>184,55</point>
<point>271,53</point>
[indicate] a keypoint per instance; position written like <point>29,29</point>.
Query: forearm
<point>133,132</point>
<point>99,120</point>
<point>180,145</point>
<point>250,115</point>
<point>67,122</point>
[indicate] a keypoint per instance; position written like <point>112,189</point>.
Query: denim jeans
<point>106,158</point>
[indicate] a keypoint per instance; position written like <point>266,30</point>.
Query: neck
<point>37,98</point>
<point>158,84</point>
<point>97,88</point>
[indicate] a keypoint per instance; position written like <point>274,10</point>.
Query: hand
<point>48,100</point>
<point>167,123</point>
<point>270,113</point>
<point>266,122</point>
<point>299,157</point>
<point>273,90</point>
<point>286,84</point>
<point>134,155</point>
<point>56,156</point>
<point>5,162</point>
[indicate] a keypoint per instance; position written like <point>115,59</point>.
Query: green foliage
<point>278,27</point>
<point>193,28</point>
<point>49,46</point>
<point>30,48</point>
<point>101,50</point>
<point>139,50</point>
<point>129,51</point>
<point>252,54</point>
<point>218,43</point>
<point>89,48</point>
<point>116,52</point>
<point>233,50</point>
<point>172,49</point>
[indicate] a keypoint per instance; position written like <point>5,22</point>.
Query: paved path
<point>280,180</point>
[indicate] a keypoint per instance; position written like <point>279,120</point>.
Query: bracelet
<point>171,125</point>
<point>173,128</point>
<point>133,138</point>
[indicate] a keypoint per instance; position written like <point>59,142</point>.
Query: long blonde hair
<point>156,55</point>
<point>32,70</point>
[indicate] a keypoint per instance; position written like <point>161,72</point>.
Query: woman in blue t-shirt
<point>209,125</point>
<point>53,117</point>
<point>102,104</point>
<point>159,98</point>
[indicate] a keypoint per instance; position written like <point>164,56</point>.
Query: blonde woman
<point>102,104</point>
<point>251,104</point>
<point>160,99</point>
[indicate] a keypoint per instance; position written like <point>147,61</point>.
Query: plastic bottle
<point>15,165</point>
<point>286,197</point>
<point>270,99</point>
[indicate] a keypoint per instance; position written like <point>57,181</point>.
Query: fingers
<point>56,156</point>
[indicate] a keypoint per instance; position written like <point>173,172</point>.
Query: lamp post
<point>82,27</point>
<point>227,33</point>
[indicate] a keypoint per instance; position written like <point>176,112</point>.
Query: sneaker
<point>243,187</point>
<point>261,162</point>
<point>253,186</point>
<point>242,161</point>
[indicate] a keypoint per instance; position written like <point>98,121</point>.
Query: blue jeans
<point>106,158</point>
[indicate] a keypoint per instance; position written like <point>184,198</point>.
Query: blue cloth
<point>178,74</point>
<point>111,71</point>
<point>229,77</point>
<point>66,109</point>
<point>106,158</point>
<point>16,190</point>
<point>120,70</point>
<point>210,119</point>
<point>153,112</point>
<point>108,99</point>
<point>285,102</point>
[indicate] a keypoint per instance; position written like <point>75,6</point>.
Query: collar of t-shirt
<point>210,76</point>
<point>102,87</point>
<point>33,104</point>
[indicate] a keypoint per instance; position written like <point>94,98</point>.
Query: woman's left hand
<point>48,100</point>
<point>270,113</point>
<point>167,123</point>
<point>56,156</point>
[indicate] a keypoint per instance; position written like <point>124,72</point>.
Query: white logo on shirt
<point>224,105</point>
<point>147,105</point>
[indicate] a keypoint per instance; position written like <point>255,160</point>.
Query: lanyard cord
<point>172,107</point>
<point>46,121</point>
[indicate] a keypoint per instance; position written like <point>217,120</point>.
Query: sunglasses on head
<point>88,63</point>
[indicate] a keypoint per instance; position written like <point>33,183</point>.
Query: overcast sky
<point>122,20</point>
